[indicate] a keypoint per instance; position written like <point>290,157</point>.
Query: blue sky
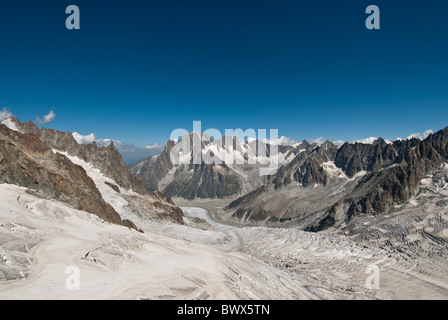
<point>136,70</point>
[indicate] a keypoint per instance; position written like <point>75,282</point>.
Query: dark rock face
<point>310,173</point>
<point>353,158</point>
<point>206,182</point>
<point>155,168</point>
<point>441,135</point>
<point>28,162</point>
<point>306,168</point>
<point>379,190</point>
<point>393,174</point>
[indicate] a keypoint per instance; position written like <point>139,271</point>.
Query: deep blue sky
<point>139,69</point>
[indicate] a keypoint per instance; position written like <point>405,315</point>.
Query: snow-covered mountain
<point>330,186</point>
<point>90,178</point>
<point>223,178</point>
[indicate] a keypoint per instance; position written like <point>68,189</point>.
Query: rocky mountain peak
<point>380,141</point>
<point>204,180</point>
<point>107,159</point>
<point>438,136</point>
<point>44,160</point>
<point>27,161</point>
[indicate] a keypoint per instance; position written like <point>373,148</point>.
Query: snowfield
<point>41,239</point>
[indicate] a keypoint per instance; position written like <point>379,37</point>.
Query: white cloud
<point>423,136</point>
<point>366,140</point>
<point>83,139</point>
<point>106,142</point>
<point>4,114</point>
<point>283,141</point>
<point>319,140</point>
<point>371,140</point>
<point>154,146</point>
<point>338,143</point>
<point>90,138</point>
<point>47,118</point>
<point>132,153</point>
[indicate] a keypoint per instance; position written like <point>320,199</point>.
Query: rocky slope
<point>54,164</point>
<point>227,179</point>
<point>328,187</point>
<point>28,162</point>
<point>107,159</point>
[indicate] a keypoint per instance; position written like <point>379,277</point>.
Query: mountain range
<point>336,212</point>
<point>317,186</point>
<point>222,180</point>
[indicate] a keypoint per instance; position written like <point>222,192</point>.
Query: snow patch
<point>426,182</point>
<point>109,195</point>
<point>333,171</point>
<point>10,124</point>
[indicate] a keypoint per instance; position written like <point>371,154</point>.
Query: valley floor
<point>42,241</point>
<point>398,263</point>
